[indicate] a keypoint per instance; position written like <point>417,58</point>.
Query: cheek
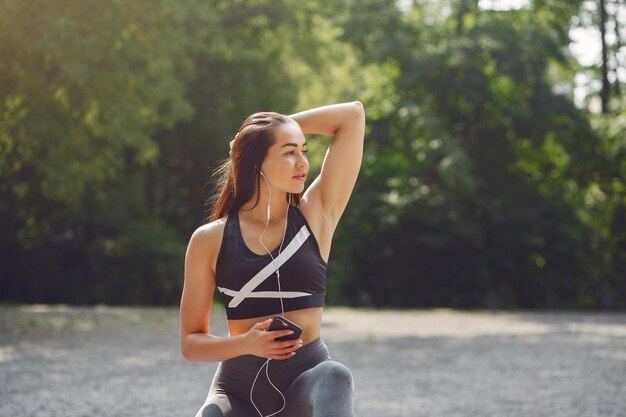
<point>280,167</point>
<point>290,161</point>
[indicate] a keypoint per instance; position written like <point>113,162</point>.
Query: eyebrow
<point>293,144</point>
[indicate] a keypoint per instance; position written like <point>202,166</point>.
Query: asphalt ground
<point>65,361</point>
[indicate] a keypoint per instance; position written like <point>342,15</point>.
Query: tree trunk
<point>459,16</point>
<point>618,46</point>
<point>604,94</point>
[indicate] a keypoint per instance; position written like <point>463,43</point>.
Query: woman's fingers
<point>270,347</point>
<point>275,334</point>
<point>283,357</point>
<point>263,325</point>
<point>286,349</point>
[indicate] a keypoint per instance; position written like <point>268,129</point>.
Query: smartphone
<point>281,323</point>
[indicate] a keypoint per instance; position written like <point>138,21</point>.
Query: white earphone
<point>268,205</point>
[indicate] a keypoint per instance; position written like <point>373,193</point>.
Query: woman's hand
<point>261,343</point>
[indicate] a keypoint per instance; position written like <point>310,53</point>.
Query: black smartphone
<point>281,323</point>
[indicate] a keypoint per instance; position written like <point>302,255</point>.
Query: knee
<point>335,376</point>
<point>210,410</point>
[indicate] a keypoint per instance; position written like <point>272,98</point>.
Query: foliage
<point>112,115</point>
<point>482,184</point>
<point>487,181</point>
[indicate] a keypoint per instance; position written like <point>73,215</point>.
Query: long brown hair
<point>238,176</point>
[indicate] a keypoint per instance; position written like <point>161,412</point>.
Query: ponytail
<point>222,201</point>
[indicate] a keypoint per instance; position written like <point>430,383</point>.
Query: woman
<point>265,251</point>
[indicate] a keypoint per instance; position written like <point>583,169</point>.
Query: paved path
<point>108,361</point>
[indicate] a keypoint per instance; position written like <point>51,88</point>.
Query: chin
<point>296,190</point>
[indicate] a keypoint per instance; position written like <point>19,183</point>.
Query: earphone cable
<point>266,364</point>
<point>282,307</point>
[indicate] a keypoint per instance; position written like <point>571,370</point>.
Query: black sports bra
<point>247,281</point>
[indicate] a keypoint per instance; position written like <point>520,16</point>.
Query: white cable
<point>266,364</point>
<point>282,307</point>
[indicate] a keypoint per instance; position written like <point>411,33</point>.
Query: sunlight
<point>503,5</point>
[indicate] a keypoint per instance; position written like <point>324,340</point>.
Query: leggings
<point>312,383</point>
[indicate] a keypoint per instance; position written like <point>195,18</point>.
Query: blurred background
<point>494,173</point>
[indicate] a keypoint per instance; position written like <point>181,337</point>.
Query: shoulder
<point>207,239</point>
<point>210,232</point>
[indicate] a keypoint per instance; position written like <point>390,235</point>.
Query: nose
<point>302,161</point>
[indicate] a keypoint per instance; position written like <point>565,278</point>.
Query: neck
<point>278,207</point>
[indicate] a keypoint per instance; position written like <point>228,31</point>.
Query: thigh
<point>224,405</point>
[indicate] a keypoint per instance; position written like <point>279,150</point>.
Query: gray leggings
<point>312,383</point>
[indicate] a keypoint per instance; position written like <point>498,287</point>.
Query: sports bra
<point>247,282</point>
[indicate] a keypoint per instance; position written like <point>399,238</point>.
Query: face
<point>286,165</point>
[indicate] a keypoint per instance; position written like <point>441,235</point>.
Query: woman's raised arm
<point>331,190</point>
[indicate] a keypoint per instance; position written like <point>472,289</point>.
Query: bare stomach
<point>310,319</point>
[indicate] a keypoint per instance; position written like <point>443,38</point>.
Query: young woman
<point>265,251</point>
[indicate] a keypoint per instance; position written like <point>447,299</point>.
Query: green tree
<point>112,118</point>
<point>485,163</point>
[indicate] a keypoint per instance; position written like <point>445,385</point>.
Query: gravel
<point>68,361</point>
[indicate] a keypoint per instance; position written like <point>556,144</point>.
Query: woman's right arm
<point>196,343</point>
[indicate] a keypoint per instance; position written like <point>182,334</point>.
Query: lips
<point>300,177</point>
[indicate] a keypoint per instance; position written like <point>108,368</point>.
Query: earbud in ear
<point>268,201</point>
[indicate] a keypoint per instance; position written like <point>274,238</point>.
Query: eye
<point>304,152</point>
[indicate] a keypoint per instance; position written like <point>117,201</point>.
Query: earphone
<point>282,308</point>
<point>268,210</point>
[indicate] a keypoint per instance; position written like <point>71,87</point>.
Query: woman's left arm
<point>331,190</point>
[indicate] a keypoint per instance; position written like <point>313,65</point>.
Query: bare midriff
<point>309,319</point>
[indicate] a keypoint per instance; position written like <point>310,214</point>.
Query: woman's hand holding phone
<point>261,341</point>
<point>282,323</point>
